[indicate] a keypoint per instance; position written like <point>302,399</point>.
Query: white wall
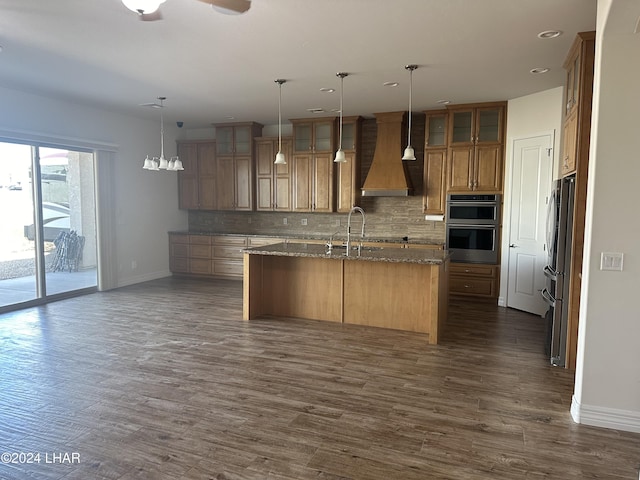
<point>532,115</point>
<point>607,388</point>
<point>145,203</point>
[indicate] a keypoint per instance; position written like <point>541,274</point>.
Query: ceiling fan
<point>149,10</point>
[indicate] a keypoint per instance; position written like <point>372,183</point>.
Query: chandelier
<point>161,163</point>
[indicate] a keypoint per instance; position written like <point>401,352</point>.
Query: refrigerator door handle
<point>548,298</point>
<point>550,273</point>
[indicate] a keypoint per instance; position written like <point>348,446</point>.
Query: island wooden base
<point>403,296</point>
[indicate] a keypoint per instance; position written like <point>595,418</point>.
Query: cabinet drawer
<point>179,265</point>
<point>472,286</point>
<point>200,266</point>
<point>469,269</point>
<point>228,268</point>
<point>177,238</point>
<point>179,250</point>
<point>199,239</point>
<point>226,251</point>
<point>200,251</point>
<point>235,241</point>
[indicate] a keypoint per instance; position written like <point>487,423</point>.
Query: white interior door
<point>531,183</point>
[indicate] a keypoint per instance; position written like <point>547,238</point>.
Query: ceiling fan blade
<point>151,17</point>
<point>238,6</point>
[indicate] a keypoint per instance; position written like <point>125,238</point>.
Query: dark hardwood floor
<point>163,380</point>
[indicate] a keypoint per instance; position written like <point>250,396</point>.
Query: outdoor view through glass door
<point>48,226</point>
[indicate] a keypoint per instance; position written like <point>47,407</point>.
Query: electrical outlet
<point>337,224</point>
<point>611,261</point>
<point>249,220</point>
<point>303,221</point>
<point>134,264</point>
<point>284,221</point>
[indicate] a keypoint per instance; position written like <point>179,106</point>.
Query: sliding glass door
<point>48,233</point>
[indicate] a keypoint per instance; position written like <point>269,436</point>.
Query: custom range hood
<point>387,176</point>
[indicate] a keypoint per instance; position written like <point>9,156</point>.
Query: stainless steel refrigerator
<point>556,291</point>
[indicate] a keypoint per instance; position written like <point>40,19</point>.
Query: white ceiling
<point>212,66</point>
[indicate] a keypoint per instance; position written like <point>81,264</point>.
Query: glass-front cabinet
<point>311,135</point>
<point>233,139</point>
<point>436,129</point>
<point>477,125</point>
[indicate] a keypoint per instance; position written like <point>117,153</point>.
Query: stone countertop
<point>336,238</point>
<point>371,254</point>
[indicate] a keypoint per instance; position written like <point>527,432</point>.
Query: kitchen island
<point>385,287</point>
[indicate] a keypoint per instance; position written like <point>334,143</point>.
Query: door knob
<point>513,245</point>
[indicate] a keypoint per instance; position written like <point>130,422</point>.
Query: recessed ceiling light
<point>315,110</point>
<point>538,71</point>
<point>390,84</point>
<point>327,90</point>
<point>550,34</point>
<point>444,102</point>
<point>230,117</point>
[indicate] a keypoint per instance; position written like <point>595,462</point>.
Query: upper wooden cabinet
<point>235,159</point>
<point>476,145</point>
<point>197,182</point>
<point>273,182</point>
<point>314,135</point>
<point>435,162</point>
<point>579,93</point>
<point>436,129</point>
<point>348,185</point>
<point>312,169</point>
<point>236,138</point>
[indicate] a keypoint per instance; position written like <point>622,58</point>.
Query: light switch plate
<point>611,261</point>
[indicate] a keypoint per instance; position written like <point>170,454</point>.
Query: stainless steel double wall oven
<point>473,225</point>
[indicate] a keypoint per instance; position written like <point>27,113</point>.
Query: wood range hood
<point>387,176</point>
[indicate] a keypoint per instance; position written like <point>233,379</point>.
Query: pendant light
<point>161,163</point>
<point>409,153</point>
<point>280,160</point>
<point>340,158</point>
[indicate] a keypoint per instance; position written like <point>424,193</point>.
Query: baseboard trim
<point>143,278</point>
<point>626,420</point>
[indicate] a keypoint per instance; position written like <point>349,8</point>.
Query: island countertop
<point>366,253</point>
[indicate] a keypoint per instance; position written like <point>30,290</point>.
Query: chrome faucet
<point>361,211</point>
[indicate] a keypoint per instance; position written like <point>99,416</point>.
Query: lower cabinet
<point>474,279</point>
<point>211,255</point>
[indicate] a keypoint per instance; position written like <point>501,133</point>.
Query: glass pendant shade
<point>143,6</point>
<point>177,164</point>
<point>340,158</point>
<point>154,164</point>
<point>409,153</point>
<point>148,165</point>
<point>280,160</point>
<point>163,163</point>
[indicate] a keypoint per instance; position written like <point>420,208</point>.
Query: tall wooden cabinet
<point>235,154</point>
<point>273,182</point>
<point>197,182</point>
<point>348,185</point>
<point>579,65</point>
<point>476,145</point>
<point>312,166</point>
<point>435,162</point>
